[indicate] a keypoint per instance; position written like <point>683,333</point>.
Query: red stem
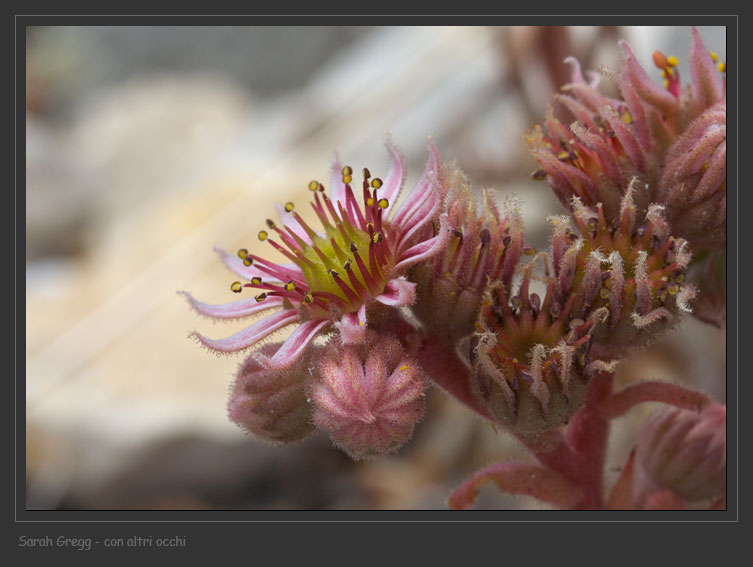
<point>440,361</point>
<point>580,454</point>
<point>652,391</point>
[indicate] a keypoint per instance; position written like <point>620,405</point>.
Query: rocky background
<point>147,146</point>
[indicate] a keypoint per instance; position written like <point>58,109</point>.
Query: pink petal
<point>234,309</point>
<point>253,334</point>
<point>289,221</point>
<point>706,80</point>
<point>643,85</point>
<point>423,190</point>
<point>352,326</point>
<point>398,293</point>
<point>395,178</point>
<point>427,248</point>
<point>337,191</point>
<point>292,349</point>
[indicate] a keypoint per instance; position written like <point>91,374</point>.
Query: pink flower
<point>367,396</point>
<point>340,275</point>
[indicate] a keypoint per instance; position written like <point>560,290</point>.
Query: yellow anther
<point>672,61</point>
<point>664,74</point>
<point>663,296</point>
<point>347,179</point>
<point>263,234</point>
<point>370,202</point>
<point>666,83</point>
<point>376,183</point>
<point>313,185</point>
<point>247,261</point>
<point>563,155</point>
<point>347,170</point>
<point>722,67</point>
<point>714,56</point>
<point>680,278</point>
<point>670,72</point>
<point>289,206</point>
<point>308,298</point>
<point>242,253</point>
<point>514,360</point>
<point>261,297</point>
<point>626,118</point>
<point>237,287</point>
<point>347,265</point>
<point>256,280</point>
<point>604,293</point>
<point>529,250</point>
<point>333,273</point>
<point>383,203</point>
<point>290,286</point>
<point>404,367</point>
<point>673,289</point>
<point>377,238</point>
<point>591,225</point>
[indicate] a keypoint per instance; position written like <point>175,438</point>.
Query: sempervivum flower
<point>484,247</point>
<point>684,452</point>
<point>672,139</point>
<point>532,358</point>
<point>271,404</point>
<point>367,396</point>
<point>643,290</point>
<point>340,275</point>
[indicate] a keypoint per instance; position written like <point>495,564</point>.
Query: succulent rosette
<point>342,275</point>
<point>672,138</point>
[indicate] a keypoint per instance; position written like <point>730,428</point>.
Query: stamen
<point>376,183</point>
<point>714,56</point>
<point>247,261</point>
<point>289,206</point>
<point>271,224</point>
<point>383,203</point>
<point>347,174</point>
<point>263,234</point>
<point>290,286</point>
<point>538,175</point>
<point>242,253</point>
<point>722,67</point>
<point>236,287</point>
<point>313,185</point>
<point>256,280</point>
<point>261,297</point>
<point>308,298</point>
<point>366,173</point>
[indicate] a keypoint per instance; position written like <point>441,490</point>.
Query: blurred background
<point>147,146</point>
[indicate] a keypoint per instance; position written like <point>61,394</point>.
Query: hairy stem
<point>652,391</point>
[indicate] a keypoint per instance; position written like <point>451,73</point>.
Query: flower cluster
<point>391,293</point>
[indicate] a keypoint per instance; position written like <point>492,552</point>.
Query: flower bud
<point>684,452</point>
<point>632,268</point>
<point>271,404</point>
<point>368,397</point>
<point>483,248</point>
<point>531,359</point>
